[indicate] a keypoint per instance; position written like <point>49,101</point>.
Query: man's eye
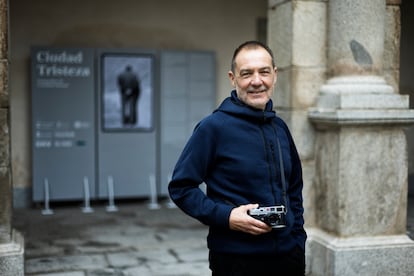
<point>245,74</point>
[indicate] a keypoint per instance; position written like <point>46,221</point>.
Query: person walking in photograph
<point>129,87</point>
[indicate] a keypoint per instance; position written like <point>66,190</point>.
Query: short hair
<point>251,44</point>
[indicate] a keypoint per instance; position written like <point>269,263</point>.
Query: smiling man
<point>253,74</point>
<point>246,156</point>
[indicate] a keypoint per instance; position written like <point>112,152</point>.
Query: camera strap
<point>282,172</point>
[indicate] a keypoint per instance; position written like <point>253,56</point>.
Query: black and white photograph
<point>127,92</point>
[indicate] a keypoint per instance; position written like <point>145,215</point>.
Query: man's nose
<point>256,79</point>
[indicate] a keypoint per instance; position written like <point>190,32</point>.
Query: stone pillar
<point>300,58</point>
<point>361,152</point>
<point>11,242</point>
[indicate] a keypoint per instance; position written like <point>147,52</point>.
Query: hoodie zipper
<point>266,146</point>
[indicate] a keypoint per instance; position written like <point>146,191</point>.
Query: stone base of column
<point>328,255</point>
<point>12,256</point>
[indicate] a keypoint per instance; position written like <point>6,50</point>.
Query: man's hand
<point>241,221</point>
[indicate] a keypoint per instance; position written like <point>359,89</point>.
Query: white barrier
<point>111,201</point>
<point>86,197</point>
<point>170,204</point>
<point>153,194</point>
<point>47,210</point>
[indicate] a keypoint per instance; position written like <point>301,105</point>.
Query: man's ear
<point>274,82</point>
<point>232,78</point>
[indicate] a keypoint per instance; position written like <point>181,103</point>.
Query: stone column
<point>11,242</point>
<point>361,152</point>
<point>300,58</point>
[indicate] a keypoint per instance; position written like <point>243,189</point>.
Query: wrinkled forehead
<point>253,58</point>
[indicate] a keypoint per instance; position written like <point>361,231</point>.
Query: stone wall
<point>5,181</point>
<point>300,53</point>
<point>360,182</point>
<point>11,242</point>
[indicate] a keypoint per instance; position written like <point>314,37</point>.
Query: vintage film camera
<point>273,216</point>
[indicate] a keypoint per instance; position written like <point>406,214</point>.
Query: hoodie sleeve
<point>190,171</point>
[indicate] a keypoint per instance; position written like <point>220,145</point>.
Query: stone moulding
<point>360,100</point>
<point>355,117</point>
<point>360,242</point>
<point>356,84</point>
<point>374,255</point>
<point>12,255</point>
<point>15,245</point>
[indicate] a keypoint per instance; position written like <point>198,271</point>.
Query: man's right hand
<point>241,221</point>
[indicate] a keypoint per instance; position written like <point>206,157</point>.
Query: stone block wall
<point>5,181</point>
<point>11,242</point>
<point>297,34</point>
<point>391,68</point>
<point>347,184</point>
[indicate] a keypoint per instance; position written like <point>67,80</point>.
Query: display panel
<point>127,88</point>
<point>63,122</point>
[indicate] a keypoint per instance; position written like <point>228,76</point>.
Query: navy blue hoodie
<point>234,151</point>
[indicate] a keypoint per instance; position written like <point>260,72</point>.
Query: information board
<point>113,121</point>
<point>128,122</point>
<point>63,122</point>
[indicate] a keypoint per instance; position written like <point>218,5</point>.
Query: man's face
<point>254,77</point>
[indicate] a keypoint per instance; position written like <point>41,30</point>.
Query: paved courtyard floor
<point>136,240</point>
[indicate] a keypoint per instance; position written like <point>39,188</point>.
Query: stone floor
<point>136,240</point>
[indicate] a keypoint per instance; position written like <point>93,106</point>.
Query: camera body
<point>274,216</point>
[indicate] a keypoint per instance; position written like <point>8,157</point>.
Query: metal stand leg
<point>153,190</point>
<point>47,210</point>
<point>170,204</point>
<point>87,208</point>
<point>111,201</point>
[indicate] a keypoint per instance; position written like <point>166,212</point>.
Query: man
<point>246,156</point>
<point>129,87</point>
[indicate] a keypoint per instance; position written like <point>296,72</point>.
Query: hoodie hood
<point>234,106</point>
